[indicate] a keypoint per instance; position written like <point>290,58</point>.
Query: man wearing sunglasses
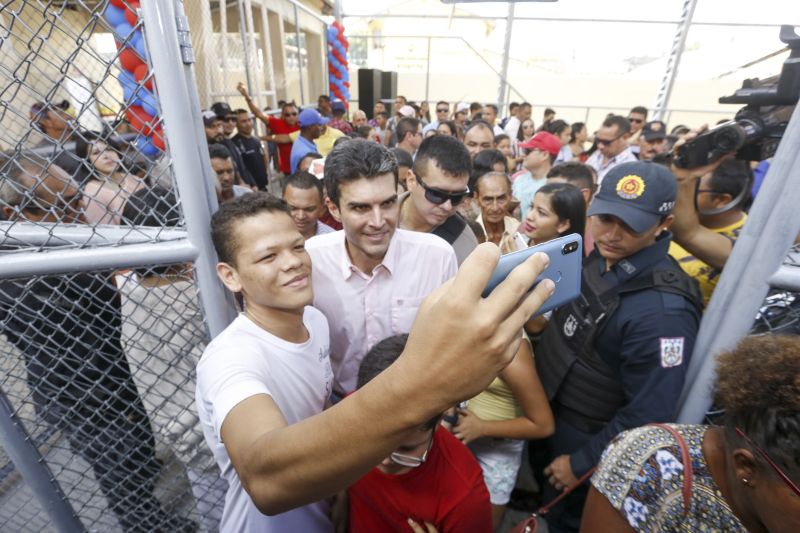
<point>369,279</point>
<point>278,128</point>
<point>637,117</point>
<point>215,134</point>
<point>612,146</point>
<point>430,478</point>
<point>437,187</point>
<point>442,114</point>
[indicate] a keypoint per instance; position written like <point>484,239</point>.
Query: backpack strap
<point>686,459</point>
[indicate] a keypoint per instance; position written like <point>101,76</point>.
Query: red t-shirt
<point>281,127</point>
<point>447,490</point>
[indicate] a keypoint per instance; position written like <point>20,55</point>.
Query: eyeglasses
<point>636,120</point>
<point>230,119</point>
<point>438,196</point>
<point>410,461</point>
<point>442,110</point>
<point>771,463</point>
<point>606,142</point>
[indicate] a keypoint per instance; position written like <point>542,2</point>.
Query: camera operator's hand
<point>703,243</point>
<point>691,174</point>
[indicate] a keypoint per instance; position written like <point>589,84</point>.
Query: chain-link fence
<point>100,317</point>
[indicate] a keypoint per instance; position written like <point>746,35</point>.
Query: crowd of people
<point>366,385</point>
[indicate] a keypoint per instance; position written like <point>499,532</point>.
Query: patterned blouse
<point>641,475</point>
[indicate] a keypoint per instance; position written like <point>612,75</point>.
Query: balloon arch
<point>338,73</point>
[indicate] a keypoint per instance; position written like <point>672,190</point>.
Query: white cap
<point>407,111</point>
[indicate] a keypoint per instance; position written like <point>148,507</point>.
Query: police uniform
<point>616,357</point>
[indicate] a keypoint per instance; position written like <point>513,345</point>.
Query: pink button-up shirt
<point>364,309</point>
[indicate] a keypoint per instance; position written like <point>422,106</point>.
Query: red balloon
<point>118,3</point>
<point>130,60</point>
<point>158,141</point>
<point>130,12</point>
<point>139,119</point>
<point>141,73</point>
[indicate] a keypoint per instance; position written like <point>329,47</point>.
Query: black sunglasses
<point>606,142</point>
<point>636,120</point>
<point>442,110</point>
<point>438,196</point>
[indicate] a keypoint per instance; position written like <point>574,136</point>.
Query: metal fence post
<point>27,459</point>
<point>299,55</point>
<point>678,44</point>
<point>191,163</point>
<point>745,280</point>
<point>506,49</point>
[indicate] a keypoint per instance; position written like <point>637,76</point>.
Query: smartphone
<point>566,260</point>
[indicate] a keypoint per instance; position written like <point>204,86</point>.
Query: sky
<point>636,49</point>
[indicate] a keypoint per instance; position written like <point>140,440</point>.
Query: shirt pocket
<point>404,310</point>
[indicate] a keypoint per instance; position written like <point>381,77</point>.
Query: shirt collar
<point>631,266</point>
<point>388,263</point>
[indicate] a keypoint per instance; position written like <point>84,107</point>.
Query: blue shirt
<point>632,343</point>
<point>300,148</point>
<point>524,189</point>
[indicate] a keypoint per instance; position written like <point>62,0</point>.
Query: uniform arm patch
<point>671,351</point>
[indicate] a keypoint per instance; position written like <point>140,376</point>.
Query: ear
<point>587,196</point>
<point>333,209</point>
<point>411,181</point>
<point>666,224</point>
<point>229,277</point>
<point>745,467</point>
<point>563,226</point>
<point>721,200</point>
<point>8,212</point>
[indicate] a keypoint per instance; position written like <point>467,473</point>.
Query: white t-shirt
<point>245,360</point>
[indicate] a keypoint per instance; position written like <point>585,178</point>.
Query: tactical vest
<point>583,389</point>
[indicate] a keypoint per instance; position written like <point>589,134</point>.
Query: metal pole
<point>501,91</point>
<point>337,10</point>
<point>299,55</point>
<point>268,53</point>
<point>757,256</point>
<point>247,59</point>
<point>223,27</point>
<point>678,43</point>
<point>191,163</point>
<point>26,458</point>
<point>428,72</point>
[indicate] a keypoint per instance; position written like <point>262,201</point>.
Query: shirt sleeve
<point>651,380</point>
<point>226,379</point>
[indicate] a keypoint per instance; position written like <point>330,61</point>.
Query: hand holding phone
<point>566,260</point>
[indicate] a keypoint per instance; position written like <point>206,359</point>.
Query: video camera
<point>756,130</point>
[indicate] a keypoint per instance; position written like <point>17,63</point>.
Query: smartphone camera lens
<point>569,248</point>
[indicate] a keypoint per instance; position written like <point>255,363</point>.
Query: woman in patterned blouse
<point>745,474</point>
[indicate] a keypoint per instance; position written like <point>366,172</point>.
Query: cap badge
<point>630,187</point>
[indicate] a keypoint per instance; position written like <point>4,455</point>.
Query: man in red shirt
<point>278,128</point>
<point>432,479</point>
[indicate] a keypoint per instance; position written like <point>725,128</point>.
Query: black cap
<point>221,109</point>
<point>639,193</point>
<point>654,130</point>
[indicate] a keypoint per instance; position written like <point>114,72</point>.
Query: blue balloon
<point>333,33</point>
<point>148,102</point>
<point>122,31</point>
<point>137,41</point>
<point>114,15</point>
<point>146,147</point>
<point>128,84</point>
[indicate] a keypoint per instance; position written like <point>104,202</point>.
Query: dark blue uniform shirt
<point>634,342</point>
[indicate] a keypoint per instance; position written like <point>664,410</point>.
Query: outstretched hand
<point>460,341</point>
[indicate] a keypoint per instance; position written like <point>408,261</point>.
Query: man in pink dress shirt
<point>370,278</point>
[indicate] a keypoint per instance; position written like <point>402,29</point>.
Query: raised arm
<point>251,104</point>
<point>459,342</point>
<point>705,244</point>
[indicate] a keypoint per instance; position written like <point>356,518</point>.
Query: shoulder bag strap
<point>687,465</point>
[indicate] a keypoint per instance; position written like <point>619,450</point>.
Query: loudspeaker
<point>389,90</point>
<point>369,89</point>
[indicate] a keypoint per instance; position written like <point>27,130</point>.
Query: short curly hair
<point>758,386</point>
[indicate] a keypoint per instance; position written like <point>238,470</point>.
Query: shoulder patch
<point>671,351</point>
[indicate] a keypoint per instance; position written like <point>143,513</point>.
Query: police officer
<point>616,357</point>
